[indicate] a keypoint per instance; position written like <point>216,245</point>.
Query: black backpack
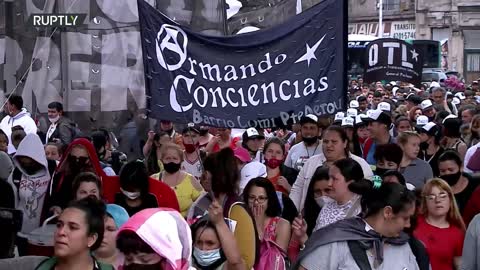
<point>359,254</point>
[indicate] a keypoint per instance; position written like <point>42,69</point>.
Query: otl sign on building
<point>391,29</point>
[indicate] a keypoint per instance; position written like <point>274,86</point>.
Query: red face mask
<point>190,148</point>
<point>273,163</point>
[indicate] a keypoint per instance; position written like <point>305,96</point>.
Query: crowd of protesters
<point>391,183</point>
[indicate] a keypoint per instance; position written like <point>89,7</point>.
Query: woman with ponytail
<point>376,241</point>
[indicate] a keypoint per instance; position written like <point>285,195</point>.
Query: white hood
<point>31,146</point>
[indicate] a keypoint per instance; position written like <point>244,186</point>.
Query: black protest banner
<point>393,60</point>
<point>262,79</point>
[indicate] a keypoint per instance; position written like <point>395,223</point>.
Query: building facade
<point>454,23</point>
<point>398,18</point>
<point>457,24</point>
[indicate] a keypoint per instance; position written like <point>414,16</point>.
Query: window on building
<point>391,5</point>
<point>473,62</point>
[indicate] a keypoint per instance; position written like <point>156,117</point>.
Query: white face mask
<point>322,200</point>
<point>54,119</point>
<point>130,195</point>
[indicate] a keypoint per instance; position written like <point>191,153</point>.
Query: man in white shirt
<point>17,116</point>
<point>310,145</point>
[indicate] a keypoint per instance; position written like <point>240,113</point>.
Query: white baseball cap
<point>427,103</point>
<point>352,112</point>
<point>384,106</point>
<point>251,170</point>
<point>422,120</point>
<point>348,122</point>
<point>339,116</point>
<point>354,104</point>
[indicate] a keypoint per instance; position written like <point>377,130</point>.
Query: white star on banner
<point>310,54</point>
<point>414,55</point>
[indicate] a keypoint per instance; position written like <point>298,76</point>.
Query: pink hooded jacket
<point>166,232</point>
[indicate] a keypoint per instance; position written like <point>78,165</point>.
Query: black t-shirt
<point>149,201</point>
<point>463,197</point>
<point>433,161</point>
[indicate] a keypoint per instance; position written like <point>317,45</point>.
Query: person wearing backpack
<point>374,241</point>
<point>273,231</point>
<point>214,245</point>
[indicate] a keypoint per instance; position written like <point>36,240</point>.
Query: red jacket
<point>110,184</point>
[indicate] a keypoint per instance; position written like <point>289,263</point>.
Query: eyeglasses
<point>260,199</point>
<point>442,196</point>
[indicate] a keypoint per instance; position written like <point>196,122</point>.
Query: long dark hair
<point>225,174</point>
<point>134,175</point>
<point>350,169</point>
<point>94,217</point>
<point>395,195</point>
<point>273,205</point>
<point>311,208</point>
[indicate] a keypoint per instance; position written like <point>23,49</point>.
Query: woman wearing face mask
<point>388,157</point>
<point>281,176</point>
<point>377,239</point>
<point>440,228</point>
<point>334,147</point>
<point>463,185</point>
<point>108,253</point>
<point>430,148</point>
<point>263,202</point>
<point>134,193</point>
<point>79,157</point>
<point>80,231</point>
<point>360,135</point>
<point>138,191</point>
<point>153,162</point>
<point>415,170</point>
<point>303,225</point>
<point>146,247</point>
<point>214,245</point>
<point>187,188</point>
<point>193,156</point>
<point>345,203</point>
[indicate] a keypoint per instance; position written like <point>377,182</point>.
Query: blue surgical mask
<point>206,257</point>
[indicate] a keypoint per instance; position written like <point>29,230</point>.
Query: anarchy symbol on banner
<point>170,41</point>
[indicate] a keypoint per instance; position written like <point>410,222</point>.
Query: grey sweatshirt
<point>471,246</point>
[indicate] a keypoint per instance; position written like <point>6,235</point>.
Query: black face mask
<point>310,140</point>
<point>381,171</point>
<point>31,169</point>
<point>423,146</point>
<point>171,167</point>
<point>134,266</point>
<point>452,179</point>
